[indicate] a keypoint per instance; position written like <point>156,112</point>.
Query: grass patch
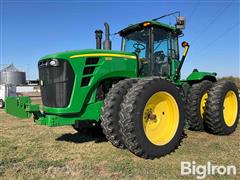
<point>31,151</point>
<point>44,164</point>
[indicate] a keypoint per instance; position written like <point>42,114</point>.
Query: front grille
<point>56,83</point>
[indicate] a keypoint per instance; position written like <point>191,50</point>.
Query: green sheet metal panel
<point>16,106</point>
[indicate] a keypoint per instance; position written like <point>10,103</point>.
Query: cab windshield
<point>137,42</point>
<point>155,47</point>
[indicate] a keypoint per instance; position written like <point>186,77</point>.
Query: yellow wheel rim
<point>203,103</point>
<point>230,108</point>
<point>160,118</point>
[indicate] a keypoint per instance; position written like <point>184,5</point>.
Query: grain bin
<point>11,75</point>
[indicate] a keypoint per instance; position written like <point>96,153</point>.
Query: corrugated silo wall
<point>15,78</point>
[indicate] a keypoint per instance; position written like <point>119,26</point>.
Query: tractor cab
<point>156,46</point>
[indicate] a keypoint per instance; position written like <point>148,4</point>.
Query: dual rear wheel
<point>213,107</point>
<point>147,116</point>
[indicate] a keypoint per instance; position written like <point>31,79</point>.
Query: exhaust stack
<point>107,44</point>
<point>98,33</point>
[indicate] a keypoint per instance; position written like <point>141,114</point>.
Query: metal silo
<point>11,75</point>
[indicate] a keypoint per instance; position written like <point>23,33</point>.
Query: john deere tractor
<point>135,95</point>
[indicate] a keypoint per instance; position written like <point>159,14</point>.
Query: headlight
<point>54,62</point>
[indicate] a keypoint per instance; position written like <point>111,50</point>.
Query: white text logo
<point>201,171</point>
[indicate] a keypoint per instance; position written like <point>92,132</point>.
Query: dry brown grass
<point>39,152</point>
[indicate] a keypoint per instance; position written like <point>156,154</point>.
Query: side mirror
<point>180,22</point>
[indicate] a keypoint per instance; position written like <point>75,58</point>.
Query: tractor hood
<point>90,53</point>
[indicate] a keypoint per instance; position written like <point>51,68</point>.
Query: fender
<point>196,76</point>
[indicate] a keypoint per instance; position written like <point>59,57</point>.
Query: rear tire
<point>195,105</point>
<point>110,111</point>
<point>222,108</point>
<point>144,116</point>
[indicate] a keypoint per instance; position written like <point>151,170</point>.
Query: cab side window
<point>174,44</point>
<point>160,45</point>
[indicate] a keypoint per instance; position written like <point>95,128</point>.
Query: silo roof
<point>10,68</point>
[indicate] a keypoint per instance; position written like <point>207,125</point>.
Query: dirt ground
<point>31,151</point>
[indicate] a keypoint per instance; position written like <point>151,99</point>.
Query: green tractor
<point>135,95</point>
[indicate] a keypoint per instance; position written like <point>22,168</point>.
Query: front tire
<point>110,112</point>
<point>152,118</point>
<point>222,108</point>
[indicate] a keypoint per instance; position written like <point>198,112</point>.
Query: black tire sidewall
<point>151,148</point>
<point>111,108</point>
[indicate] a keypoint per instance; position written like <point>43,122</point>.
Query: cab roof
<point>145,24</point>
